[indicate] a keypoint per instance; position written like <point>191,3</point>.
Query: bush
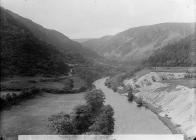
<point>104,123</point>
<point>92,118</point>
<point>95,99</point>
<point>29,92</point>
<point>139,102</point>
<point>82,118</point>
<point>82,89</point>
<point>114,89</point>
<point>62,124</point>
<point>130,95</point>
<point>11,99</point>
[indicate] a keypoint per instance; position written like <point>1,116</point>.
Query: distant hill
<point>82,40</point>
<point>179,53</point>
<point>30,49</point>
<point>137,44</point>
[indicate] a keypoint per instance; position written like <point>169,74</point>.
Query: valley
<point>138,81</point>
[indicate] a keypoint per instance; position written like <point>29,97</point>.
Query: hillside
<point>28,49</point>
<point>61,42</point>
<point>23,54</point>
<point>137,44</point>
<point>180,53</point>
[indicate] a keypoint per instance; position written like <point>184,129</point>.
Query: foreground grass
<point>31,117</point>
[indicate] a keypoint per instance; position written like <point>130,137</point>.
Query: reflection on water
<point>129,119</point>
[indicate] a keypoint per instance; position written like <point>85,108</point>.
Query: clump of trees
<point>13,98</point>
<point>91,118</point>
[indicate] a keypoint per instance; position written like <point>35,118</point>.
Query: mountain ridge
<point>138,43</point>
<point>55,38</point>
<point>29,49</point>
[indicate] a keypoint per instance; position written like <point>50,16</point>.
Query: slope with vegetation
<point>176,54</point>
<point>28,49</point>
<point>137,44</point>
<point>23,54</point>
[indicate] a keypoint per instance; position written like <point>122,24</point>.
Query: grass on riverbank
<point>14,90</point>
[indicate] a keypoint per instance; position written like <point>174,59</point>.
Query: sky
<point>96,18</point>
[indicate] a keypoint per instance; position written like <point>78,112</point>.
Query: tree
<point>104,123</point>
<point>82,118</point>
<point>95,99</point>
<point>91,118</point>
<point>62,124</point>
<point>130,94</point>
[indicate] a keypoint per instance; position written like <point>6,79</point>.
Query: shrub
<point>82,118</point>
<point>29,92</point>
<point>153,79</point>
<point>130,95</point>
<point>62,124</point>
<point>90,118</point>
<point>104,123</point>
<point>114,89</point>
<point>11,99</point>
<point>139,102</point>
<point>82,89</point>
<point>95,99</point>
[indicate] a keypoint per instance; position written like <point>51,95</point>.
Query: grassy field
<point>54,84</point>
<point>31,117</point>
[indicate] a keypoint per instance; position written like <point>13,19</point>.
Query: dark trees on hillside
<point>175,54</point>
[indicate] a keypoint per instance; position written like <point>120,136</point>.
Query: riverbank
<point>31,116</point>
<point>15,90</point>
<point>165,120</point>
<point>173,128</point>
<point>174,104</point>
<point>131,119</point>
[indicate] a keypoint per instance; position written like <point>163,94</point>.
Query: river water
<point>129,119</point>
<point>31,116</point>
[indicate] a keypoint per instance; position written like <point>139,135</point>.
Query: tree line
<point>91,118</point>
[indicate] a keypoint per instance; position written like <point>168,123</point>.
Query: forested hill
<point>180,53</point>
<point>58,40</point>
<point>23,54</point>
<point>138,43</point>
<point>28,49</point>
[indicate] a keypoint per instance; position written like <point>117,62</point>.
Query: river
<point>129,119</point>
<point>31,116</point>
